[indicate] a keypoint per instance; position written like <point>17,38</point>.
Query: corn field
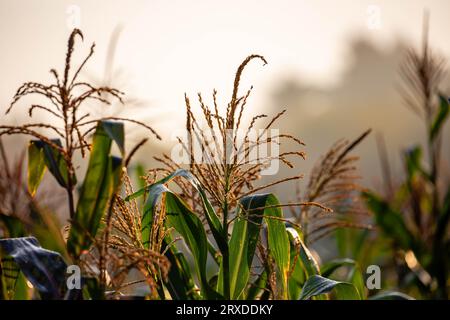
<point>210,228</point>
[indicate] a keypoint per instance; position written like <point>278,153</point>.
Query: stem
<point>225,254</point>
<point>69,190</point>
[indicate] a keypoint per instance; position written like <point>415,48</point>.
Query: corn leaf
<point>355,277</point>
<point>257,288</point>
<point>13,226</point>
<point>439,120</point>
<point>36,167</point>
<point>331,266</point>
<point>389,220</point>
<point>391,295</point>
<point>297,275</point>
<point>211,216</point>
<point>115,131</point>
<point>185,222</point>
<point>245,236</point>
<point>317,285</point>
<point>242,245</point>
<point>45,269</point>
<point>180,284</point>
<point>100,184</point>
<point>54,161</point>
<point>9,274</point>
<point>190,227</point>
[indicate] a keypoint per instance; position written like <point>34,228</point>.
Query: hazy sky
<point>168,47</point>
<point>171,47</point>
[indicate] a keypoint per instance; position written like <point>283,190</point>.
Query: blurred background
<point>333,66</point>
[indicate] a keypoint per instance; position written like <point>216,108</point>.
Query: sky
<point>168,48</point>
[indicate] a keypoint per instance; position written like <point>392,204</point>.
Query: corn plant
<point>215,209</point>
<point>97,192</point>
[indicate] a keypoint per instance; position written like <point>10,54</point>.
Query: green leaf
<point>308,262</point>
<point>444,217</point>
<point>243,241</point>
<point>317,285</point>
<point>101,182</point>
<point>189,226</point>
<point>298,275</point>
<point>391,295</point>
<point>389,220</point>
<point>36,167</point>
<point>115,131</point>
<point>355,277</point>
<point>9,274</point>
<point>45,269</point>
<point>13,226</point>
<point>257,287</point>
<point>244,238</point>
<point>440,118</point>
<point>180,284</point>
<point>413,158</point>
<point>21,289</point>
<point>331,266</point>
<point>184,221</point>
<point>278,241</point>
<point>211,216</point>
<point>54,161</point>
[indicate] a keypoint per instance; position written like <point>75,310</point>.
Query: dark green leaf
<point>180,283</point>
<point>115,131</point>
<point>331,266</point>
<point>245,235</point>
<point>298,275</point>
<point>100,184</point>
<point>190,227</point>
<point>13,225</point>
<point>45,269</point>
<point>36,167</point>
<point>389,295</point>
<point>54,161</point>
<point>317,285</point>
<point>390,221</point>
<point>439,120</point>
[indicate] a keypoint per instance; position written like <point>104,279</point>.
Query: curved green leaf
<point>115,131</point>
<point>308,262</point>
<point>185,222</point>
<point>389,220</point>
<point>317,285</point>
<point>190,227</point>
<point>331,266</point>
<point>444,110</point>
<point>36,167</point>
<point>298,275</point>
<point>391,295</point>
<point>45,269</point>
<point>54,161</point>
<point>245,236</point>
<point>180,284</point>
<point>242,245</point>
